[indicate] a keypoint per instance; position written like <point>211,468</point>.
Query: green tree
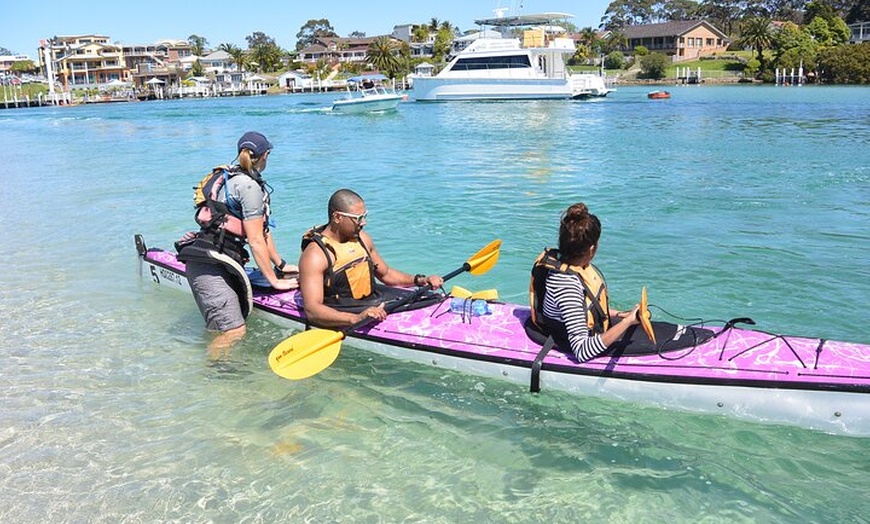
<point>751,68</point>
<point>794,47</point>
<point>614,60</point>
<point>673,10</point>
<point>404,59</point>
<point>654,65</point>
<point>263,50</point>
<point>443,41</point>
<point>859,12</point>
<point>756,33</point>
<point>724,14</point>
<point>817,8</point>
<point>587,45</point>
<point>819,30</point>
<point>23,66</point>
<point>197,44</point>
<point>383,54</point>
<point>5,52</point>
<point>314,30</point>
<point>623,13</point>
<point>840,32</point>
<point>420,33</point>
<point>846,64</point>
<point>197,69</point>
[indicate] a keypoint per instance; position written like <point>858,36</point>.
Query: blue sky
<point>26,23</point>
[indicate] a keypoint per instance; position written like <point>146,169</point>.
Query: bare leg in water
<point>221,345</point>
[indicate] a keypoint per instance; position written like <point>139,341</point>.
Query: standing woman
<point>233,211</point>
<point>569,295</point>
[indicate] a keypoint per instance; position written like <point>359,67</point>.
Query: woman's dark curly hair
<point>578,231</point>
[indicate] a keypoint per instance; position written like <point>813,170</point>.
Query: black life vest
<point>201,249</point>
<point>221,221</point>
<point>349,280</point>
<point>594,286</point>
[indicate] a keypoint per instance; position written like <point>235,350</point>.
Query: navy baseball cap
<point>255,142</point>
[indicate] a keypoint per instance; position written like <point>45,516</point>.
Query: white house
<point>296,81</point>
<point>218,62</point>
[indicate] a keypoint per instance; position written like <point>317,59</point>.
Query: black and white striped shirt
<point>565,302</point>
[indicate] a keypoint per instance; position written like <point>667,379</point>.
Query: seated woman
<point>569,295</point>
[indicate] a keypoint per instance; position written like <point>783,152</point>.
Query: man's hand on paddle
<point>378,313</point>
<point>435,281</point>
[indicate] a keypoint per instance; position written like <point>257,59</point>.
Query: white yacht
<point>493,67</point>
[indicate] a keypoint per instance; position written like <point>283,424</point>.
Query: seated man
<point>339,264</point>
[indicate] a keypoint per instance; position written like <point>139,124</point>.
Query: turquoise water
<point>723,201</point>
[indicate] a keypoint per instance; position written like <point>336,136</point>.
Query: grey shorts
<point>216,299</point>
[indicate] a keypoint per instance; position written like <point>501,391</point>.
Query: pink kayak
<point>725,369</point>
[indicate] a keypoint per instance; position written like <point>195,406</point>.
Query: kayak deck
<point>741,361</point>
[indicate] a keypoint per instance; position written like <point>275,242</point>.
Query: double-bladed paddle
<point>310,352</point>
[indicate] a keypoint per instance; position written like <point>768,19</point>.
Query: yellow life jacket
<point>594,286</point>
<point>350,274</point>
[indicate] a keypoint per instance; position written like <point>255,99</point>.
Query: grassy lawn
<point>32,90</point>
<point>729,62</point>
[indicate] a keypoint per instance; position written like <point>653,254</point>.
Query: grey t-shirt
<point>244,190</point>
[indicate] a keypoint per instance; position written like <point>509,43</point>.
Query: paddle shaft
<point>408,299</point>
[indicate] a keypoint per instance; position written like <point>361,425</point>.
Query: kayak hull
<point>742,373</point>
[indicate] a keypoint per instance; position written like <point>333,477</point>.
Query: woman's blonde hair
<point>247,160</point>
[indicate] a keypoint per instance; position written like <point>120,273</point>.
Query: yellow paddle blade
<point>483,294</point>
<point>485,259</point>
<point>645,316</point>
<point>305,354</point>
<point>460,292</point>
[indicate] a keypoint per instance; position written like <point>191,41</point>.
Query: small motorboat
<point>366,94</point>
<point>658,95</point>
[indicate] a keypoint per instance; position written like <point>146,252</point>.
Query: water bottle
<point>472,308</point>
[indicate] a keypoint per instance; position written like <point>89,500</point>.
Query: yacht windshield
<point>492,62</point>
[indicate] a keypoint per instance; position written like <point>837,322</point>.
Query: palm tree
<point>756,33</point>
<point>615,41</point>
<point>197,44</point>
<point>238,55</point>
<point>433,24</point>
<point>383,55</point>
<point>588,39</point>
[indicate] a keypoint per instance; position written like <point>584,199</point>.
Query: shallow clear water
<point>723,201</point>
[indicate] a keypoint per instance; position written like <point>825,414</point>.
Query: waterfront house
<point>682,40</point>
<point>218,62</point>
<point>405,33</point>
<point>338,49</point>
<point>859,32</point>
<point>82,61</point>
<point>7,61</point>
<point>296,81</point>
<point>162,54</point>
